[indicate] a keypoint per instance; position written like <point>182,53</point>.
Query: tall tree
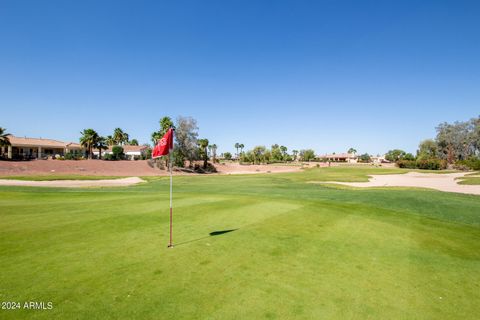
<point>214,153</point>
<point>133,142</point>
<point>284,149</point>
<point>237,145</point>
<point>307,154</point>
<point>100,144</point>
<point>4,140</point>
<point>352,150</point>
<point>259,154</point>
<point>459,140</point>
<point>427,149</point>
<point>276,153</point>
<point>241,147</point>
<point>203,145</point>
<point>186,133</point>
<point>88,139</point>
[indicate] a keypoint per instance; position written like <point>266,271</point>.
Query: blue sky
<point>327,75</point>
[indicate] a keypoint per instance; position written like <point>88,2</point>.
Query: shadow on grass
<point>211,234</point>
<point>217,233</point>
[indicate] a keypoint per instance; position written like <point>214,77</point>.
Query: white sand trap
<point>123,182</point>
<point>439,181</point>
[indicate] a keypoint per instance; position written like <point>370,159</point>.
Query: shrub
<point>227,156</point>
<point>117,153</point>
<point>427,164</point>
<point>209,169</point>
<point>471,163</point>
<point>407,164</point>
<point>364,158</point>
<point>432,164</point>
<point>108,157</point>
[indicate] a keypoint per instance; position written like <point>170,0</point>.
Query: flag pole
<point>170,245</point>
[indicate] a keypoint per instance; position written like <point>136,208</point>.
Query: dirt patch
<point>121,168</point>
<point>123,182</point>
<point>79,167</point>
<point>443,182</point>
<point>235,168</point>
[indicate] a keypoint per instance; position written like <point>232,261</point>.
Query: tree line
<point>456,145</point>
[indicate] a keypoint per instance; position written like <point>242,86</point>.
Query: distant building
<point>341,157</point>
<point>131,152</point>
<point>38,148</point>
<point>379,159</point>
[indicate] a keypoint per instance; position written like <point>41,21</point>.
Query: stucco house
<point>38,148</point>
<point>341,157</point>
<point>131,152</point>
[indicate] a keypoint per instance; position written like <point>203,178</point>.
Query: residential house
<point>131,152</point>
<point>38,148</point>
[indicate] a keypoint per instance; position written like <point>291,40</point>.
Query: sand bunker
<point>443,182</point>
<point>73,183</point>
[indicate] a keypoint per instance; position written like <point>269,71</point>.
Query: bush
<point>427,164</point>
<point>210,168</point>
<point>365,158</point>
<point>471,163</point>
<point>117,153</point>
<point>407,164</point>
<point>72,156</point>
<point>432,164</point>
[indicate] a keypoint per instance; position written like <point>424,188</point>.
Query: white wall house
<point>131,152</point>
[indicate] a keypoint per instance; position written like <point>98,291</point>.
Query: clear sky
<point>327,75</point>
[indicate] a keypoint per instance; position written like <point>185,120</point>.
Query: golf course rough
<point>267,246</point>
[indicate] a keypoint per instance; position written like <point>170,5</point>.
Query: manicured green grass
<point>298,250</point>
<point>469,180</point>
<point>58,177</point>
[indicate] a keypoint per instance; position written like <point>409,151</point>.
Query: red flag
<point>164,145</point>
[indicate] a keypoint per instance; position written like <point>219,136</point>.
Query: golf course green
<point>269,246</point>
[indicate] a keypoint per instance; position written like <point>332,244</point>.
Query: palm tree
<point>237,145</point>
<point>110,141</point>
<point>241,147</point>
<point>101,144</point>
<point>165,124</point>
<point>155,137</point>
<point>284,152</point>
<point>4,141</point>
<point>118,135</point>
<point>133,142</point>
<point>214,152</point>
<point>88,139</point>
<point>125,138</point>
<point>203,145</point>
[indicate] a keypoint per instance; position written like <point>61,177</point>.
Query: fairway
<point>267,246</point>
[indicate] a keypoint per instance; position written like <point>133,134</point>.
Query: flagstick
<point>171,210</point>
